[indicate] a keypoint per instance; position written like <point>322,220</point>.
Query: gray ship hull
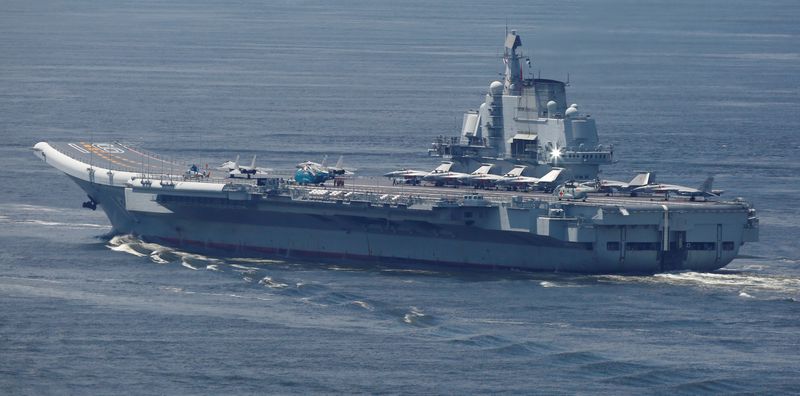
<point>357,232</point>
<point>276,232</point>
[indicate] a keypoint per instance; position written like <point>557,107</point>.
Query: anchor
<point>90,204</point>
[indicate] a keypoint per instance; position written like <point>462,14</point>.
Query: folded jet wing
<point>704,191</point>
<point>640,180</point>
<point>489,179</point>
<point>469,179</point>
<point>237,170</point>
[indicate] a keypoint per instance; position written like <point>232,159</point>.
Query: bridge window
<point>701,246</point>
<point>642,246</point>
<point>727,245</point>
<point>612,246</point>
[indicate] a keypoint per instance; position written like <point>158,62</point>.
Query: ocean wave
<point>126,248</point>
<point>521,348</point>
<point>481,341</point>
<point>550,284</point>
<point>160,254</point>
<point>648,378</point>
<point>31,208</point>
<point>502,321</point>
<point>580,358</point>
<point>744,284</point>
<point>346,269</point>
<point>734,280</point>
<point>271,283</point>
<point>715,386</point>
<point>156,257</point>
<point>243,268</point>
<point>410,271</point>
<point>417,317</point>
<point>364,305</point>
<point>63,225</point>
<point>255,261</point>
<point>176,289</point>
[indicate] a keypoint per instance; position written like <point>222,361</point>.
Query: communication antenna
<point>567,83</point>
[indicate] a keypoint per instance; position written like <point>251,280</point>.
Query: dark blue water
<point>683,88</point>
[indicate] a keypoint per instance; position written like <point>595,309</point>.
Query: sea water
<point>683,88</point>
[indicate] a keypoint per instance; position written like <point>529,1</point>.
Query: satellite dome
<point>552,108</point>
<point>572,110</point>
<point>495,88</point>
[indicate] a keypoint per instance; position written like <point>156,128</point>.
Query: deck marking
<point>79,148</point>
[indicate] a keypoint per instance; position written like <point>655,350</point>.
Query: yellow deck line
<point>106,156</point>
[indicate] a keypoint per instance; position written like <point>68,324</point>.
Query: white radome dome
<point>495,88</point>
<point>552,107</point>
<point>572,110</point>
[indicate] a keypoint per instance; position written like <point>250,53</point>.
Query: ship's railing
<point>95,160</point>
<point>144,170</point>
<point>378,195</point>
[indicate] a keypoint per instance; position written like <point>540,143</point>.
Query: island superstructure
<point>522,122</point>
<point>526,121</point>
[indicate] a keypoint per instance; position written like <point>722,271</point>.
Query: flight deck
<point>119,157</point>
<point>127,158</point>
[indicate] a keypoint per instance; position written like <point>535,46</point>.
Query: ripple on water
<point>744,284</point>
<point>416,317</point>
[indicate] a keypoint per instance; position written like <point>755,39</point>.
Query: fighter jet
<point>472,178</point>
<point>545,182</point>
<point>310,172</point>
<point>235,170</point>
<point>442,175</point>
<point>335,170</point>
<point>406,176</point>
<point>612,186</point>
<point>705,190</point>
<point>491,180</point>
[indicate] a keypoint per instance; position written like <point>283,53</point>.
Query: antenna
<point>91,148</point>
<point>567,83</point>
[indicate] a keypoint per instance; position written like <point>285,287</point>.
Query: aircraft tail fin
<point>551,176</point>
<point>517,171</point>
<point>484,169</point>
<point>643,179</point>
<point>253,164</point>
<point>340,162</point>
<point>324,160</point>
<point>444,167</point>
<point>236,162</point>
<point>707,185</point>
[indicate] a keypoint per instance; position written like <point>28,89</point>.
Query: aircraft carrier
<point>523,122</point>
